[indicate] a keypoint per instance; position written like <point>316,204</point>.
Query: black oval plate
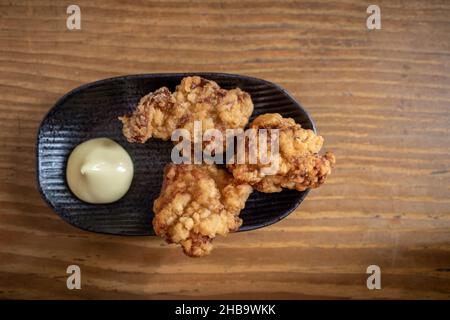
<point>91,111</point>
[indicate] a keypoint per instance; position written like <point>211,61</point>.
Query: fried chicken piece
<point>198,202</point>
<point>300,166</point>
<point>158,114</point>
<point>215,107</point>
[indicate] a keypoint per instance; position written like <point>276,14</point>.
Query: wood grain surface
<point>380,98</point>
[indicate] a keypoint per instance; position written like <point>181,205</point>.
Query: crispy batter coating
<point>198,202</point>
<point>156,115</point>
<point>215,107</point>
<point>161,112</point>
<point>300,165</point>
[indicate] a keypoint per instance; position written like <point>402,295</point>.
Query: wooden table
<point>381,99</point>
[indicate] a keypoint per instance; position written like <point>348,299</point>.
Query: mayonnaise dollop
<point>99,171</point>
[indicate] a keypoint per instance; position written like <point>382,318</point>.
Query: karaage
<point>198,202</point>
<point>299,165</point>
<point>215,107</point>
<point>158,114</point>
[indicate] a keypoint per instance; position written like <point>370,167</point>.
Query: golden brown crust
<point>158,114</point>
<point>300,165</point>
<point>213,106</point>
<point>198,202</point>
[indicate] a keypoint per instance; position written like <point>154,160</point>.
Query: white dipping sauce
<point>99,171</point>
